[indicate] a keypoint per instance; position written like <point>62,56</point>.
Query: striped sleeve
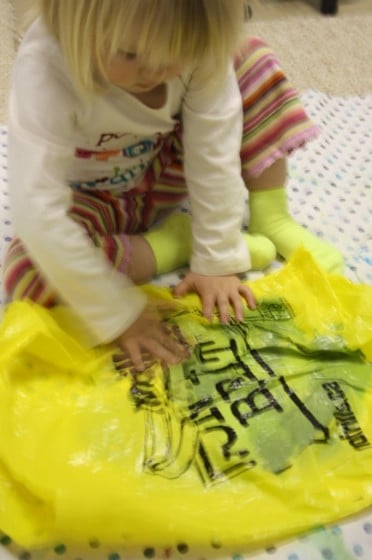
<point>275,121</point>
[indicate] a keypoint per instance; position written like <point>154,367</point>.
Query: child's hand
<point>149,337</point>
<point>223,292</point>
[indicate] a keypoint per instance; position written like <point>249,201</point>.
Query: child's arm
<point>106,300</point>
<point>41,149</point>
<point>227,292</point>
<point>212,120</point>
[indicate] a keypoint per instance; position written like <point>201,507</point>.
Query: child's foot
<point>261,249</point>
<point>269,216</point>
<point>171,243</point>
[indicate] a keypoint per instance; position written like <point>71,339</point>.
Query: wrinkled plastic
<point>264,432</point>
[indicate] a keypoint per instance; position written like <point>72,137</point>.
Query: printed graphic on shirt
<point>116,169</point>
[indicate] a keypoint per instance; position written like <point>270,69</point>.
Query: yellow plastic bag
<point>264,432</point>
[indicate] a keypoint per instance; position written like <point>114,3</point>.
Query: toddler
<point>119,110</point>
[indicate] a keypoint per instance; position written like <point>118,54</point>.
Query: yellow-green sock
<point>269,216</point>
<point>261,249</point>
<point>171,242</point>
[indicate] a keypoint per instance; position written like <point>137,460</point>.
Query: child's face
<point>129,72</point>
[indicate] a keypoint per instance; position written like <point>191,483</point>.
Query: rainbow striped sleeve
<point>275,122</point>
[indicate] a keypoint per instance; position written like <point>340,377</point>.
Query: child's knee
<point>21,278</point>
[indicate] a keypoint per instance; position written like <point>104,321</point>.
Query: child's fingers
<point>157,342</point>
<point>235,302</point>
<point>208,304</point>
<point>163,350</point>
<point>237,306</point>
<point>224,308</point>
<point>184,287</point>
<point>135,354</point>
<point>247,294</point>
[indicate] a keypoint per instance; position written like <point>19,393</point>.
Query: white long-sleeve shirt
<point>59,142</point>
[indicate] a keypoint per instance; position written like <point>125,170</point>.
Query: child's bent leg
<point>131,255</point>
<point>22,280</point>
<point>274,125</point>
<point>164,248</point>
<point>269,216</point>
<point>171,242</point>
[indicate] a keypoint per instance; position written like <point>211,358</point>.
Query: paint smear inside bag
<point>265,431</point>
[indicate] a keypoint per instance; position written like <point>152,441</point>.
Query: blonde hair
<point>202,33</point>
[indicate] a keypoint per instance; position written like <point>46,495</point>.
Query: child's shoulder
<point>40,66</point>
<point>38,41</point>
<point>42,96</point>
